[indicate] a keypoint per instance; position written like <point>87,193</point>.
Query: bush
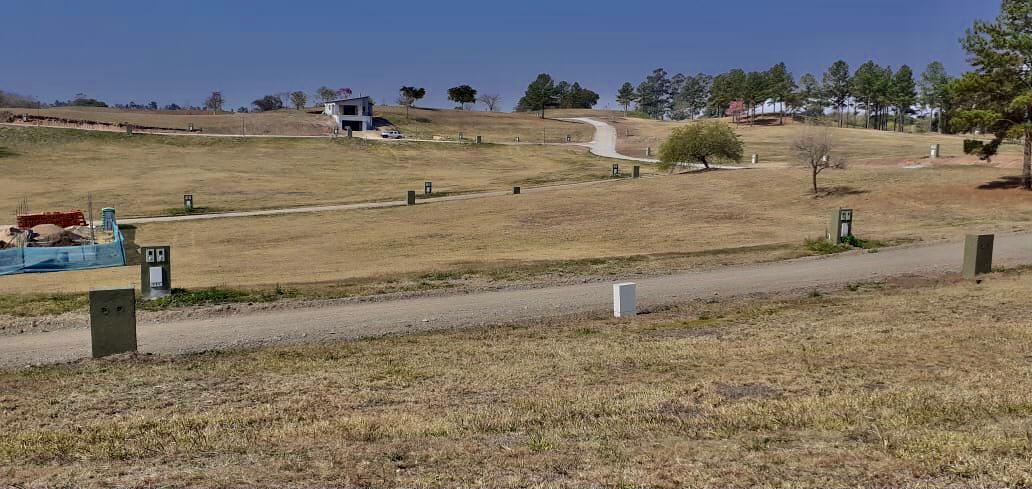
<point>973,146</point>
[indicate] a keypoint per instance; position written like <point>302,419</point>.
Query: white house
<point>356,113</point>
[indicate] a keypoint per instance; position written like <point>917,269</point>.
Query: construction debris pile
<point>45,236</point>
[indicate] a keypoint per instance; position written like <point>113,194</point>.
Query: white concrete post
<point>755,158</point>
<point>935,151</point>
<point>624,297</point>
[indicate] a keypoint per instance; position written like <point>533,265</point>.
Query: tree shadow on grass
<point>6,153</point>
<point>840,191</point>
<point>1003,183</point>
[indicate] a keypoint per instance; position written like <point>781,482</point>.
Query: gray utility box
<point>616,170</point>
<point>840,226</point>
<point>978,255</point>
<point>156,272</point>
<point>637,171</point>
<point>112,321</point>
<point>410,197</point>
<point>188,202</point>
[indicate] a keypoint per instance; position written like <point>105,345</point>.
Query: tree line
<point>881,93</point>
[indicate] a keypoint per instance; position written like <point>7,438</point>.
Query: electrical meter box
<point>616,170</point>
<point>188,202</point>
<point>155,272</point>
<point>841,225</point>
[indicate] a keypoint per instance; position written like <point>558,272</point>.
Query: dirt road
<point>372,319</point>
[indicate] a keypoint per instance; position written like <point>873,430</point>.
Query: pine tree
<point>935,91</point>
<point>903,94</point>
<point>625,97</point>
<point>999,90</point>
<point>838,87</point>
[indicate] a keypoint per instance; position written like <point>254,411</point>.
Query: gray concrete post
<point>515,190</point>
<point>411,198</point>
<point>637,171</point>
<point>978,255</point>
<point>112,321</point>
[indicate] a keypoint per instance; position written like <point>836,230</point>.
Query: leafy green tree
<point>779,86</point>
<point>462,95</point>
<point>935,91</point>
<point>653,94</point>
<point>692,97</point>
<point>625,96</point>
<point>299,99</point>
<point>540,94</point>
<point>903,94</point>
<point>999,90</point>
<point>872,86</point>
<point>726,88</point>
<point>757,91</point>
<point>838,87</point>
<point>268,102</point>
<point>326,94</point>
<point>408,97</point>
<point>701,142</point>
<point>812,95</point>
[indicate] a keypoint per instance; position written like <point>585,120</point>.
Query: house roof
<point>347,99</point>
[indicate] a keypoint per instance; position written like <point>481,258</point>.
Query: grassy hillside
<point>493,126</point>
<point>148,174</point>
<point>922,386</point>
<point>281,122</point>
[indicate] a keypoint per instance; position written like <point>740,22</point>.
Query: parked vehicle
<point>391,135</point>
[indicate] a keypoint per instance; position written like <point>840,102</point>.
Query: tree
<point>756,91</point>
<point>693,94</point>
<point>214,102</point>
<point>299,99</point>
<point>725,89</point>
<point>575,97</point>
<point>653,94</point>
<point>152,105</point>
<point>999,90</point>
<point>540,94</point>
<point>409,96</point>
<point>701,142</point>
<point>812,95</point>
<point>903,94</point>
<point>838,87</point>
<point>326,94</point>
<point>492,101</point>
<point>625,96</point>
<point>935,91</point>
<point>462,95</point>
<point>268,102</point>
<point>813,146</point>
<point>779,86</point>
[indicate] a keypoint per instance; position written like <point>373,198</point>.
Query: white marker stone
<point>624,297</point>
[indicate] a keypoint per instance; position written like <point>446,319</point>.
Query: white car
<point>391,135</point>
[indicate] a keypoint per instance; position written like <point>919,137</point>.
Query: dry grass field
<point>883,385</point>
<point>493,126</point>
<point>54,169</point>
<point>658,223</point>
<point>286,122</point>
<point>771,142</point>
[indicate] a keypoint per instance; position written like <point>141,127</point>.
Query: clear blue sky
<point>179,51</point>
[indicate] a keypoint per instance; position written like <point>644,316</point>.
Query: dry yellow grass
<point>281,122</point>
<point>881,386</point>
<point>493,126</point>
<point>148,174</point>
<point>650,216</point>
<point>772,142</point>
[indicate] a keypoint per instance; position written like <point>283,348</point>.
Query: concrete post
<point>568,138</point>
<point>188,202</point>
<point>624,298</point>
<point>349,131</point>
<point>156,272</point>
<point>978,255</point>
<point>479,140</point>
<point>411,198</point>
<point>461,137</point>
<point>616,170</point>
<point>935,151</point>
<point>840,225</point>
<point>755,158</point>
<point>189,128</point>
<point>112,321</point>
<point>129,129</point>
<point>637,171</point>
<point>517,139</point>
<point>515,190</point>
<point>648,151</point>
<point>428,188</point>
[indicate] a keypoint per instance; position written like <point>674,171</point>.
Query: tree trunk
<point>814,174</point>
<point>1026,172</point>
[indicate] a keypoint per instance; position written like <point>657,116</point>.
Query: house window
<point>349,110</point>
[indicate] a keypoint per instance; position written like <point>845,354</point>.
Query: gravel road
<point>442,312</point>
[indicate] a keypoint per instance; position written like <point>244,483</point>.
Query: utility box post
<point>156,272</point>
<point>616,170</point>
<point>934,151</point>
<point>515,190</point>
<point>840,226</point>
<point>410,199</point>
<point>428,188</point>
<point>349,131</point>
<point>336,131</point>
<point>648,151</point>
<point>129,129</point>
<point>568,138</point>
<point>755,158</point>
<point>107,219</point>
<point>112,321</point>
<point>189,127</point>
<point>188,202</point>
<point>517,139</point>
<point>978,255</point>
<point>636,172</point>
<point>461,136</point>
<point>624,297</point>
<point>479,140</point>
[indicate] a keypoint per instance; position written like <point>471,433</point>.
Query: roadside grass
<point>907,386</point>
<point>148,174</point>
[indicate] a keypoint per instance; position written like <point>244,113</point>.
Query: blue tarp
<point>64,258</point>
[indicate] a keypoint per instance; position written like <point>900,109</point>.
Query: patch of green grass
<point>42,304</point>
<point>825,247</point>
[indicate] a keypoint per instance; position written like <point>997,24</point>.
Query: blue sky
<point>180,51</point>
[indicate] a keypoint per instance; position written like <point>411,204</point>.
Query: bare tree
<point>813,146</point>
<point>299,99</point>
<point>492,101</point>
<point>214,102</point>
